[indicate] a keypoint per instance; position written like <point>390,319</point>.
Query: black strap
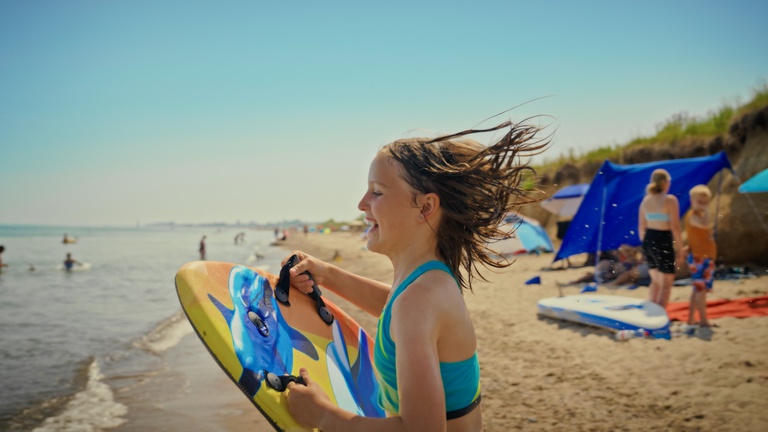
<point>283,289</point>
<point>450,415</point>
<point>280,382</point>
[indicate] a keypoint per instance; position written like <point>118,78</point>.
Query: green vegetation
<point>680,127</point>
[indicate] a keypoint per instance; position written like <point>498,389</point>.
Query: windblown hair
<point>478,186</point>
<point>659,180</point>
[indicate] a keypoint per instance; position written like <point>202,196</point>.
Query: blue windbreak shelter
<point>607,218</point>
<point>758,183</point>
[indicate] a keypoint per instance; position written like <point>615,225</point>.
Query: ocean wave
<point>92,409</point>
<point>165,335</point>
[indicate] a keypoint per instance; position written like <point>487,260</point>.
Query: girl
<point>433,204</point>
<point>659,230</point>
<point>703,251</point>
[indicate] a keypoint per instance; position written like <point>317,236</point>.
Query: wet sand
<point>537,374</point>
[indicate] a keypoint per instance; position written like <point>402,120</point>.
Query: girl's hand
<point>308,404</point>
<point>680,258</point>
<point>307,263</point>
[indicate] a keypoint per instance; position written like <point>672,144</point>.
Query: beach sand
<point>537,373</point>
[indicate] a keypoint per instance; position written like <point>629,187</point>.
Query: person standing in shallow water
<point>433,206</point>
<point>202,249</point>
<point>2,264</point>
<point>659,230</point>
<point>70,262</point>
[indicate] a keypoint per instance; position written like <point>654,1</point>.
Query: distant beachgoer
<point>336,256</point>
<point>240,238</point>
<point>562,229</point>
<point>607,269</point>
<point>2,264</point>
<point>703,252</point>
<point>636,267</point>
<point>659,230</point>
<point>31,267</point>
<point>202,249</point>
<point>70,262</point>
<point>306,229</point>
<point>433,205</point>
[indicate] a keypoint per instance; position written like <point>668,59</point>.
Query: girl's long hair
<point>478,187</point>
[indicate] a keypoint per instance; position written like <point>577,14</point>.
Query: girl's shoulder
<point>433,290</point>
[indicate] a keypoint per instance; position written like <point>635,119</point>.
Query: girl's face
<point>388,206</point>
<point>699,202</point>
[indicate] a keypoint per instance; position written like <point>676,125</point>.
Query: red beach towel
<point>739,308</point>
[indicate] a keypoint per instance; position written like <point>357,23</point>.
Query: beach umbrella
<point>527,236</point>
<point>758,183</point>
<point>566,201</point>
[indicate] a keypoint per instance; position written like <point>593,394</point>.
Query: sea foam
<point>92,409</point>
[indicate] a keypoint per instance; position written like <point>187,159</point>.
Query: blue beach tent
<point>607,218</point>
<point>526,236</point>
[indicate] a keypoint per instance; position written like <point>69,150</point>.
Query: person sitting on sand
<point>433,205</point>
<point>636,268</point>
<point>607,269</point>
<point>703,252</point>
<point>70,262</point>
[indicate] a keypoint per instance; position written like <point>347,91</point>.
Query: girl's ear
<point>429,204</point>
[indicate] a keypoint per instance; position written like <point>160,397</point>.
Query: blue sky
<point>113,113</point>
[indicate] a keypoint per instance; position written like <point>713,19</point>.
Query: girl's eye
<point>376,193</point>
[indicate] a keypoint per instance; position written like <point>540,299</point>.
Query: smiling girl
<point>433,206</point>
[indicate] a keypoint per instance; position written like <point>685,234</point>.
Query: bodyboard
<point>235,312</point>
<point>609,312</point>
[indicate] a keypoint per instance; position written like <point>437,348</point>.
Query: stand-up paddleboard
<point>261,332</point>
<point>609,312</point>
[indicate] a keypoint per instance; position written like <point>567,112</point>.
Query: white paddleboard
<point>608,312</point>
<point>76,267</point>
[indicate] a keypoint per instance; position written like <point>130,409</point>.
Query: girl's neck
<point>410,259</point>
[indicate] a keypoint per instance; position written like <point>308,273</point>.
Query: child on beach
<point>703,251</point>
<point>433,204</point>
<point>659,230</point>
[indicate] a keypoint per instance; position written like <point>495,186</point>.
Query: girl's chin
<point>372,242</point>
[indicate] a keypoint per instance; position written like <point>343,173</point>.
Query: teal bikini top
<point>659,217</point>
<point>461,380</point>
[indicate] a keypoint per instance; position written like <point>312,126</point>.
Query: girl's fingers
<point>305,376</point>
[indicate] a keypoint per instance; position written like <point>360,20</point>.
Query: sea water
<point>71,339</point>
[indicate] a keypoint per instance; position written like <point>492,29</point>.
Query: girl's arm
<point>642,225</point>
<point>674,222</point>
<point>367,294</point>
<point>420,387</point>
